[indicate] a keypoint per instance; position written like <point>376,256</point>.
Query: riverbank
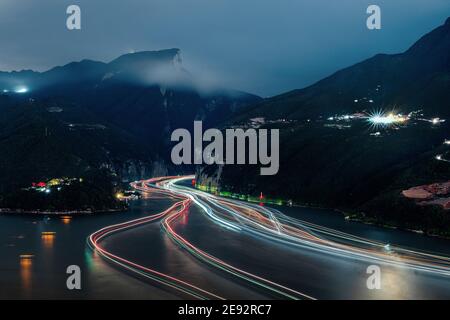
<point>59,213</point>
<point>358,217</point>
<point>361,218</point>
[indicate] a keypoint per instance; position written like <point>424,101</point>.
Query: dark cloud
<point>261,46</point>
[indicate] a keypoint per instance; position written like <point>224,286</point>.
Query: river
<point>313,273</point>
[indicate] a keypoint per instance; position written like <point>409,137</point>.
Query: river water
<point>321,276</point>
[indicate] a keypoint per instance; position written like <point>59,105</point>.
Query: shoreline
<point>58,213</point>
<point>359,218</point>
<point>355,217</point>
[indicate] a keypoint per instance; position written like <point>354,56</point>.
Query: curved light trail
<point>94,241</point>
<point>257,221</point>
<point>272,224</point>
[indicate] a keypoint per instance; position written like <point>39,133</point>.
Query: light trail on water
<point>257,221</point>
<point>271,224</point>
<point>94,241</point>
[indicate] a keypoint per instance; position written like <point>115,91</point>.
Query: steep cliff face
<point>133,170</point>
<point>209,175</point>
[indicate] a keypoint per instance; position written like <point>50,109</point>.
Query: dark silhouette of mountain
<point>93,115</point>
<point>417,77</point>
<point>345,163</point>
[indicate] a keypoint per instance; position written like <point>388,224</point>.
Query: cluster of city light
<point>380,119</point>
<point>342,117</point>
<point>55,183</point>
<point>20,89</point>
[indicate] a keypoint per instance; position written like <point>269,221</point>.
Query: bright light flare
<point>119,195</point>
<point>436,121</point>
<point>381,119</point>
<point>385,120</point>
<point>21,90</point>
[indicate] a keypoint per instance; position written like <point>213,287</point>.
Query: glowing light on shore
<point>436,121</point>
<point>119,195</point>
<point>26,256</point>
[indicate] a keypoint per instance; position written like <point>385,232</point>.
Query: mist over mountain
<point>93,115</point>
<point>331,154</point>
<point>147,68</point>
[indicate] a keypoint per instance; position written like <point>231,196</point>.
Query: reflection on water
<point>184,219</point>
<point>66,219</point>
<point>396,285</point>
<point>52,253</point>
<point>26,264</point>
<point>93,259</point>
<point>48,239</point>
<point>325,277</point>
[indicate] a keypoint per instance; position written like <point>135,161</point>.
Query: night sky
<point>261,46</point>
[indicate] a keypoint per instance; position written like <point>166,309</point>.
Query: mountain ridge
<point>381,69</point>
<point>114,102</point>
<point>86,60</point>
<point>332,155</point>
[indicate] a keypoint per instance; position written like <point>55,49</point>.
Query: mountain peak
<point>146,57</point>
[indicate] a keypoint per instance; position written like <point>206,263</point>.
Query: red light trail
<point>258,221</point>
